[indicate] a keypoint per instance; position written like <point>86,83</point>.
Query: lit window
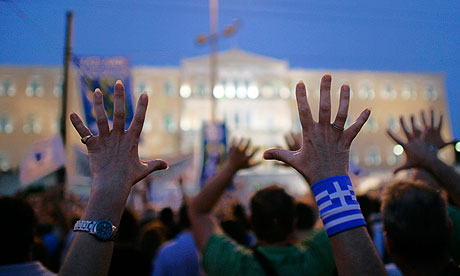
<point>241,91</point>
<point>58,85</point>
<point>253,91</point>
<point>408,91</point>
<point>366,91</point>
<point>284,92</point>
<point>32,124</point>
<point>393,124</point>
<point>34,87</point>
<point>218,91</point>
<point>388,92</point>
<point>373,157</point>
<point>5,164</point>
<point>7,88</point>
<point>185,90</point>
<point>6,125</point>
<point>169,123</point>
<point>168,88</point>
<point>430,92</point>
<point>230,91</point>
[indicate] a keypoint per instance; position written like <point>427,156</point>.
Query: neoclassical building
<point>254,95</point>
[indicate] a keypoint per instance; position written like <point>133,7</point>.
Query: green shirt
<point>454,244</point>
<point>313,256</point>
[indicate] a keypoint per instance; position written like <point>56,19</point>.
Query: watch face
<point>104,230</point>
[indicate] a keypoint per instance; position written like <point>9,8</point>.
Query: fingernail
<point>346,83</point>
<point>118,82</point>
<point>301,82</point>
<point>143,96</point>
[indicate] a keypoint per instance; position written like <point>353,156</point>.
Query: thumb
<point>155,165</point>
<point>278,154</point>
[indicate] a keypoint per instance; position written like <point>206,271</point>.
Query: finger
<point>441,118</point>
<point>351,132</point>
<point>424,119</point>
<point>233,142</point>
<point>155,165</point>
<point>402,167</point>
<point>395,137</point>
<point>241,143</point>
<point>432,117</point>
<point>279,154</point>
<point>342,113</point>
<point>415,129</point>
<point>101,115</point>
<point>139,116</point>
<point>404,127</point>
<point>255,164</point>
<point>325,100</point>
<point>247,145</point>
<point>78,124</point>
<point>288,140</point>
<point>306,119</point>
<point>119,112</point>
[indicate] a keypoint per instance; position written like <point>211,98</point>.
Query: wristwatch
<point>102,229</point>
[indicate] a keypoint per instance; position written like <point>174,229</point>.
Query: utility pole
<point>65,89</point>
<point>213,39</point>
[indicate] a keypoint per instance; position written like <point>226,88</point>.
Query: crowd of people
<point>411,227</point>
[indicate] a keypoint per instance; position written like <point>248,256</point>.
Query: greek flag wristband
<point>338,207</point>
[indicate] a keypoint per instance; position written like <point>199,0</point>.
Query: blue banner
<point>102,73</point>
<point>214,149</point>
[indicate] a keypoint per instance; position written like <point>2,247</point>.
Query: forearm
<point>88,255</point>
<point>354,253</point>
<point>446,176</point>
<point>211,192</point>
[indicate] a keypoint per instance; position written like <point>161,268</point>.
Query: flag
<point>43,158</point>
<point>102,73</point>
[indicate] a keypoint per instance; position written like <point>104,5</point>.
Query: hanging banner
<point>102,73</point>
<point>214,149</point>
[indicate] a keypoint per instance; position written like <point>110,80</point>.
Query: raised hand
<point>113,154</point>
<point>240,155</point>
<point>293,141</point>
<point>418,150</point>
<point>325,147</point>
<point>432,131</point>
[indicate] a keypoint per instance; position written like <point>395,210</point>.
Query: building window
<point>168,88</point>
<point>169,124</point>
<point>5,164</point>
<point>267,90</point>
<point>230,90</point>
<point>430,92</point>
<point>408,91</point>
<point>366,91</point>
<point>32,124</point>
<point>143,86</point>
<point>58,85</point>
<point>201,89</point>
<point>34,87</point>
<point>371,125</point>
<point>185,90</point>
<point>373,157</point>
<point>7,88</point>
<point>284,92</point>
<point>393,124</point>
<point>242,90</point>
<point>6,126</point>
<point>388,92</point>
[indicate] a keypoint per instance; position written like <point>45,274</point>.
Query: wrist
<point>321,175</point>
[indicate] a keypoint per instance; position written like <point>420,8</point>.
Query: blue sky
<point>392,35</point>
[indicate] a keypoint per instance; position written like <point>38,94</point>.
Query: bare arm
<point>203,225</point>
<point>421,152</point>
<point>115,168</point>
<point>325,153</point>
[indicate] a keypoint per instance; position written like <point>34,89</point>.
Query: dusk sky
<point>392,35</point>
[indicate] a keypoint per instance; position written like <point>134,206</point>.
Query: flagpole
<point>61,177</point>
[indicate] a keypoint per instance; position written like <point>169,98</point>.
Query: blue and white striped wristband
<point>338,207</point>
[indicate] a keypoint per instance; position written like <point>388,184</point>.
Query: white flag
<point>43,158</point>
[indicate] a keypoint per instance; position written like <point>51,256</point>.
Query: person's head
<point>272,214</point>
<point>184,221</point>
<point>416,224</point>
<point>305,215</point>
<point>167,216</point>
<point>128,230</point>
<point>17,231</point>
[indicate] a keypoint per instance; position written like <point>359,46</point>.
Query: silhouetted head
<point>305,215</point>
<point>416,224</point>
<point>184,221</point>
<point>167,216</point>
<point>272,214</point>
<point>17,231</point>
